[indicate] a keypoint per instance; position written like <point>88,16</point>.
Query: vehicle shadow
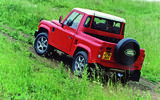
<point>59,56</point>
<point>94,71</point>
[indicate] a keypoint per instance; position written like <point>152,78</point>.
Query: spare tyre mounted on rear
<point>127,51</point>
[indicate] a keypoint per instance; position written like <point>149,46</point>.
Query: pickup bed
<point>92,37</point>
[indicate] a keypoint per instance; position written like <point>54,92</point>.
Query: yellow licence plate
<point>107,55</point>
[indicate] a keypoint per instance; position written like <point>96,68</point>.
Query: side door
<point>63,37</point>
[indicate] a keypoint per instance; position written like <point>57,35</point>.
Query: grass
<point>142,22</point>
<point>29,77</point>
<point>22,76</point>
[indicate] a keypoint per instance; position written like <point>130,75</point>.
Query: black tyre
<point>41,44</point>
<point>127,51</point>
<point>79,62</point>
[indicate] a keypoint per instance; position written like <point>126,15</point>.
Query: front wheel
<point>41,44</point>
<point>80,60</point>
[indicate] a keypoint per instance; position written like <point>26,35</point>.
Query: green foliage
<point>31,80</point>
<point>16,47</point>
<point>30,40</point>
<point>142,21</point>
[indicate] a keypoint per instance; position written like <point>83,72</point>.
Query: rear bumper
<point>133,75</point>
<point>129,75</point>
<point>126,75</point>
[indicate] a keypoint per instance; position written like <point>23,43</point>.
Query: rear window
<point>106,25</point>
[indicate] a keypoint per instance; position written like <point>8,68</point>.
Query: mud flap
<point>134,75</point>
<point>36,33</point>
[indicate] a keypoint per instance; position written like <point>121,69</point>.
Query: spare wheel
<point>127,51</point>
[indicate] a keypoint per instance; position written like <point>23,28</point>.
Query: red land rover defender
<point>92,37</point>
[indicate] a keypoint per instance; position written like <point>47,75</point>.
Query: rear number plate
<point>107,55</point>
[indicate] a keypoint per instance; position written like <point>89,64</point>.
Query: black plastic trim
<point>36,33</point>
<point>134,75</point>
<point>53,29</point>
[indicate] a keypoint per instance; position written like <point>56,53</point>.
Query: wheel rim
<point>79,64</point>
<point>42,44</point>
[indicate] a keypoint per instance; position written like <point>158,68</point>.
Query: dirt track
<point>143,85</point>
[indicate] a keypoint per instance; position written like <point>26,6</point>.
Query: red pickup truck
<point>92,37</point>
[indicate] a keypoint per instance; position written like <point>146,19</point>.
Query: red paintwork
<point>68,39</point>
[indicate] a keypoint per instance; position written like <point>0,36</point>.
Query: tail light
<point>100,52</point>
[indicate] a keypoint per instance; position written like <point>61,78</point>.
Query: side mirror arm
<point>60,21</point>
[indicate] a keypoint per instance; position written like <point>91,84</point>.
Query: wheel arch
<point>80,49</point>
<point>43,28</point>
<point>85,49</point>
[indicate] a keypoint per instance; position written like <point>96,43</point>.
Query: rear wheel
<point>41,44</point>
<point>79,62</point>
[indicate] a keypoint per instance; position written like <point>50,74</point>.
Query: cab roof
<point>100,14</point>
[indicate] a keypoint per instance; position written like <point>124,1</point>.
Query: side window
<point>73,20</point>
<point>87,22</point>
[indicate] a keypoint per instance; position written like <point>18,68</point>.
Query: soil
<point>144,86</point>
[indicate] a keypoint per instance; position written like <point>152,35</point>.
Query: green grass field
<point>19,77</point>
<point>22,76</point>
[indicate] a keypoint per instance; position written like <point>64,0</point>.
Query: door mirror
<point>60,19</point>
